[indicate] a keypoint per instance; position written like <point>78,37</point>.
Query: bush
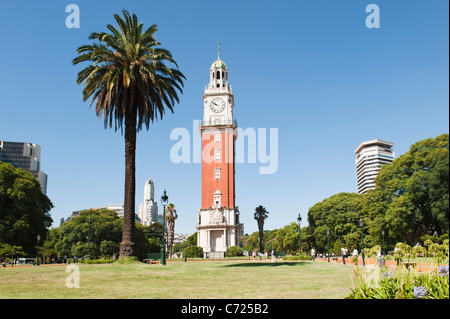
<point>193,251</point>
<point>94,261</point>
<point>301,257</point>
<point>234,251</point>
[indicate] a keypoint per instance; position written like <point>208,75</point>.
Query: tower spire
<point>218,50</point>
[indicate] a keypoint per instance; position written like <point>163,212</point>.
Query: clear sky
<point>311,69</point>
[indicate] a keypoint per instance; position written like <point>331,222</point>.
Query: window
<point>217,200</point>
<point>217,173</point>
<point>217,154</point>
<point>217,137</point>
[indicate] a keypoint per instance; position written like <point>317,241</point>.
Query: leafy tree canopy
<point>340,214</point>
<point>24,209</point>
<point>101,230</point>
<point>411,197</point>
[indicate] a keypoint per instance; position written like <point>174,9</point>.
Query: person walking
<point>273,256</point>
<point>379,258</point>
<point>343,253</point>
<point>313,254</point>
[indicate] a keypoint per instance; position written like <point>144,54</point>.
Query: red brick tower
<point>218,222</point>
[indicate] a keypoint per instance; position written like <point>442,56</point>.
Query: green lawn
<point>207,279</point>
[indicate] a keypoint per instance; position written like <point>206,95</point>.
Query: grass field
<point>218,279</point>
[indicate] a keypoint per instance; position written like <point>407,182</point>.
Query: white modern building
<point>370,156</point>
<point>148,210</point>
<point>26,156</point>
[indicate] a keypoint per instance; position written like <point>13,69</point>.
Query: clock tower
<point>218,219</point>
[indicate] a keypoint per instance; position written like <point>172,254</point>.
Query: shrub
<point>234,251</point>
<point>95,261</point>
<point>193,251</point>
<point>301,257</point>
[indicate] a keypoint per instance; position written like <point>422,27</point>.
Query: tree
<point>153,233</point>
<point>11,251</point>
<point>97,231</point>
<point>171,215</point>
<point>131,83</point>
<point>340,214</point>
<point>250,242</point>
<point>260,216</point>
<point>411,197</point>
<point>24,209</point>
<point>287,239</point>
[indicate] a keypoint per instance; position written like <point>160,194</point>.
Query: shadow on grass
<point>264,264</point>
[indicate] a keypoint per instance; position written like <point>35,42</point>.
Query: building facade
<point>26,156</point>
<point>218,219</point>
<point>370,156</point>
<point>148,210</point>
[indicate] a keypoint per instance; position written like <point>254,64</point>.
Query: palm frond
<point>127,73</point>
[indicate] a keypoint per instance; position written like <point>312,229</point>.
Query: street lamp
<point>384,253</point>
<point>328,243</point>
<point>60,243</point>
<point>164,201</point>
<point>37,257</point>
<point>299,220</point>
<point>361,224</point>
<point>89,238</point>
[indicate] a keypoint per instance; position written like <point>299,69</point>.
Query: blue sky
<point>311,69</point>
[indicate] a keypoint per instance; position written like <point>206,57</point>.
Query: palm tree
<point>260,215</point>
<point>128,78</point>
<point>171,215</point>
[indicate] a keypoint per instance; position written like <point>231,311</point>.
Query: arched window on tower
<point>218,75</point>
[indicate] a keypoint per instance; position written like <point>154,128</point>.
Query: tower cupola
<point>218,73</point>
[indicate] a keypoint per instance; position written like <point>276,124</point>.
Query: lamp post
<point>60,243</point>
<point>328,243</point>
<point>299,220</point>
<point>382,234</point>
<point>37,256</point>
<point>164,201</point>
<point>89,238</point>
<point>361,224</point>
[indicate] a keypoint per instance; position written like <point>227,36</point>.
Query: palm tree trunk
<point>261,234</point>
<point>170,230</point>
<point>127,246</point>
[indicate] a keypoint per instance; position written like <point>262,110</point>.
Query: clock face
<point>217,105</point>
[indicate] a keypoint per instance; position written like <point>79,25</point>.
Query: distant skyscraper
<point>26,156</point>
<point>370,156</point>
<point>148,210</point>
